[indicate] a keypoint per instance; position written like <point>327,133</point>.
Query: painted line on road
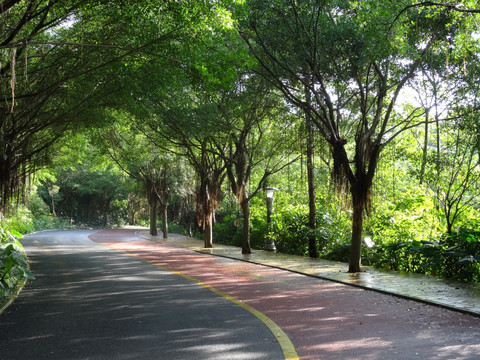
<point>287,346</point>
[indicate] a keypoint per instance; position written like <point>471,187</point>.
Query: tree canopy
<point>354,59</point>
<point>210,101</point>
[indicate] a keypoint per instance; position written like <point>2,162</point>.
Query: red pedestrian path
<point>323,319</point>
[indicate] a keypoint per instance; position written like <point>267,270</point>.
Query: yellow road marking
<point>287,347</point>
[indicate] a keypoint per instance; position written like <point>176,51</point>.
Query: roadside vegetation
<point>14,267</point>
<point>364,116</point>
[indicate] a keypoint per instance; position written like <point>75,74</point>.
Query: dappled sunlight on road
<point>119,310</point>
<point>324,319</point>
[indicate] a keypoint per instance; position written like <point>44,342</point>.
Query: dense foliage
<point>365,114</point>
<point>14,267</point>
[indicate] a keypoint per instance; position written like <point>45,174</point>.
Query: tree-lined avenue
<point>324,320</point>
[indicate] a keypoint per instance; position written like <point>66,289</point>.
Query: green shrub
<point>14,268</point>
<point>37,205</point>
<point>462,256</point>
<point>291,231</point>
<point>51,222</point>
<point>454,257</point>
<point>258,228</point>
<point>227,231</point>
<point>21,221</point>
<point>413,256</point>
<point>175,228</point>
<point>30,218</point>
<point>339,251</point>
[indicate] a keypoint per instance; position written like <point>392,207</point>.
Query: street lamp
<point>269,244</point>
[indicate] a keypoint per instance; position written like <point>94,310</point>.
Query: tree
<point>312,213</point>
<point>90,188</point>
<point>52,190</point>
<point>160,172</point>
<point>23,138</point>
<point>255,131</point>
<point>211,173</point>
<point>183,130</point>
<point>66,59</point>
<point>181,114</point>
<point>457,183</point>
<point>358,57</point>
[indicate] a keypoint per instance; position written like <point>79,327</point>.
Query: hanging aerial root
<point>13,80</point>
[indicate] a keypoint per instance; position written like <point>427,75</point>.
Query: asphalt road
<point>123,297</point>
<point>91,302</point>
<point>324,320</point>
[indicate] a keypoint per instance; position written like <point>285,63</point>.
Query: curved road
<point>91,300</point>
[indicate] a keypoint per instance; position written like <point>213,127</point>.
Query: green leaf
<point>8,250</point>
<point>29,275</point>
<point>8,266</point>
<point>16,234</point>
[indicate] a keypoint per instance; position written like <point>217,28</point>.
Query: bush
<point>258,231</point>
<point>14,268</point>
<point>412,256</point>
<point>292,232</point>
<point>462,256</point>
<point>35,216</point>
<point>228,231</point>
<point>175,228</point>
<point>454,257</point>
<point>339,251</point>
<point>21,221</point>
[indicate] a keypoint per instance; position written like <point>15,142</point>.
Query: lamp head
<point>269,191</point>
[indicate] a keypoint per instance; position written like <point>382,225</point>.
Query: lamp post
<point>269,244</point>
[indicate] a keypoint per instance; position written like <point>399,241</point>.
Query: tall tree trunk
<point>358,189</point>
<point>153,215</point>
<point>449,221</point>
<point>357,230</point>
<point>312,241</point>
<point>245,204</point>
<point>366,158</point>
<point>208,209</point>
<point>165,220</point>
<point>53,207</point>
<point>438,164</point>
<point>425,148</point>
<point>208,227</point>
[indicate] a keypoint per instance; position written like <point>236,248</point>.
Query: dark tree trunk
<point>208,209</point>
<point>153,216</point>
<point>357,230</point>
<point>246,227</point>
<point>366,158</point>
<point>208,228</point>
<point>165,221</point>
<point>312,241</point>
<point>449,225</point>
<point>210,171</point>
